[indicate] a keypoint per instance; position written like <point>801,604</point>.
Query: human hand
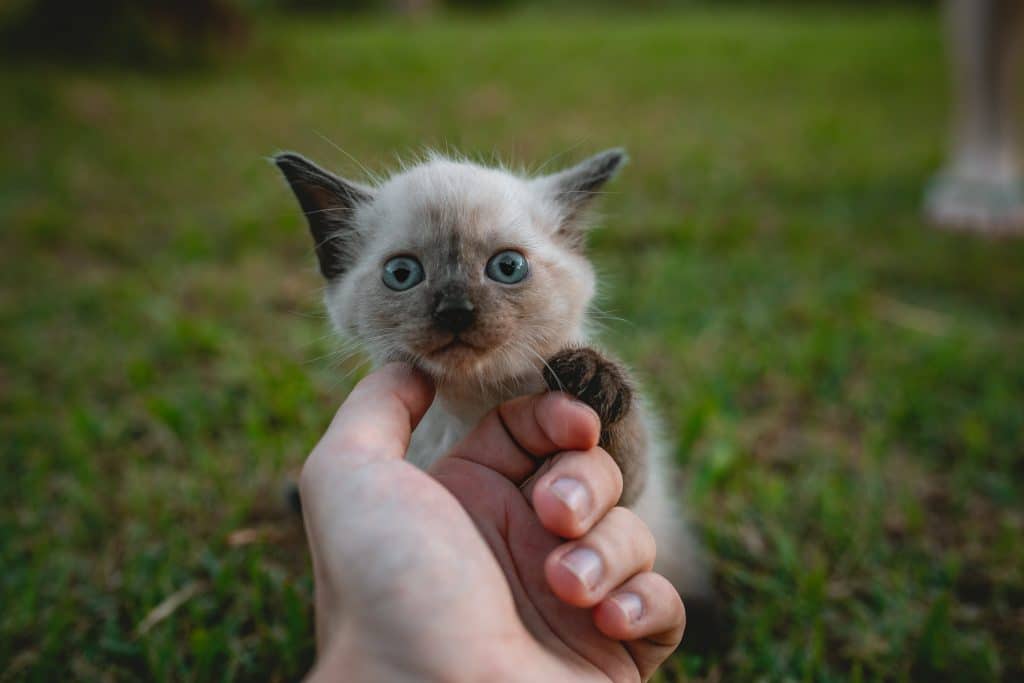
<point>465,572</point>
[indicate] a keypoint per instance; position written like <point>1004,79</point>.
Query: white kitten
<point>478,276</point>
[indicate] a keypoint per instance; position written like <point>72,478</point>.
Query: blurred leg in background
<point>981,188</point>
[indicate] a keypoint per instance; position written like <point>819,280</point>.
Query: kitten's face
<point>473,274</point>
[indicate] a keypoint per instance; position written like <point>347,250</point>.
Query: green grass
<point>846,385</point>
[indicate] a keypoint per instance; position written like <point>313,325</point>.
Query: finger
<point>512,436</point>
<point>377,418</point>
<point>578,490</point>
<point>583,572</point>
<point>647,614</point>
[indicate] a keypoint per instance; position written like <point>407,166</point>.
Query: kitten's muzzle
<point>454,312</point>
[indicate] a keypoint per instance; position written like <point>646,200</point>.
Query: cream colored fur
<point>453,216</point>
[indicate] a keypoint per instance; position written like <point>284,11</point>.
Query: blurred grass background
<point>845,384</point>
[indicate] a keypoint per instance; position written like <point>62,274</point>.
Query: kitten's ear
<point>329,203</point>
<point>574,189</point>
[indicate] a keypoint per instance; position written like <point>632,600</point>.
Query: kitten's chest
<point>448,421</point>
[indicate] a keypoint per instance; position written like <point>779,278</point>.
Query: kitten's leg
<point>604,385</point>
<point>681,557</point>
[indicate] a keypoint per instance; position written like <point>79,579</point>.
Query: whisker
<point>330,209</point>
<point>557,155</point>
<point>365,170</point>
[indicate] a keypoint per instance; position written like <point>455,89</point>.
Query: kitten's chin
<point>459,365</point>
<point>457,362</point>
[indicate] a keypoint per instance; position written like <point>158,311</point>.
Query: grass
<point>845,384</point>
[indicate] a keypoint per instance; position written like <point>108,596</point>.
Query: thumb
<point>376,420</point>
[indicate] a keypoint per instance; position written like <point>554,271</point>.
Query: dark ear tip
<point>619,152</point>
<point>289,160</point>
<point>614,159</point>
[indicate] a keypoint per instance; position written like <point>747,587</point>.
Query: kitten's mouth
<point>454,346</point>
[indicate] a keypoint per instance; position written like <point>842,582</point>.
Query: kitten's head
<point>474,274</point>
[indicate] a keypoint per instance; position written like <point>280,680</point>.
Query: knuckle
<point>624,530</point>
<point>668,617</point>
<point>633,531</point>
<point>664,592</point>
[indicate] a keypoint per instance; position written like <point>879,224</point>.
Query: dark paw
<point>593,379</point>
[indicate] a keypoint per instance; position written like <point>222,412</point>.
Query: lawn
<point>845,385</point>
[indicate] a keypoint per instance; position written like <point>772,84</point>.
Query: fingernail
<point>631,605</point>
<point>572,493</point>
<point>585,565</point>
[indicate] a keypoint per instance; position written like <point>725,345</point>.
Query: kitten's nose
<point>454,312</point>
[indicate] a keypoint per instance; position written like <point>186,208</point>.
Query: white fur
<point>521,211</point>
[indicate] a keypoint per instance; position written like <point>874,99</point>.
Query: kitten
<point>479,277</point>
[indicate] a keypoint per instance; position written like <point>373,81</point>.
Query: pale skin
<point>507,561</point>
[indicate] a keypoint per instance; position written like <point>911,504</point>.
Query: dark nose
<point>454,311</point>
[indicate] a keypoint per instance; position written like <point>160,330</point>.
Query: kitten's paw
<point>600,383</point>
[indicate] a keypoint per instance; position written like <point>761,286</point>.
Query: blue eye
<point>507,267</point>
<point>402,273</point>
